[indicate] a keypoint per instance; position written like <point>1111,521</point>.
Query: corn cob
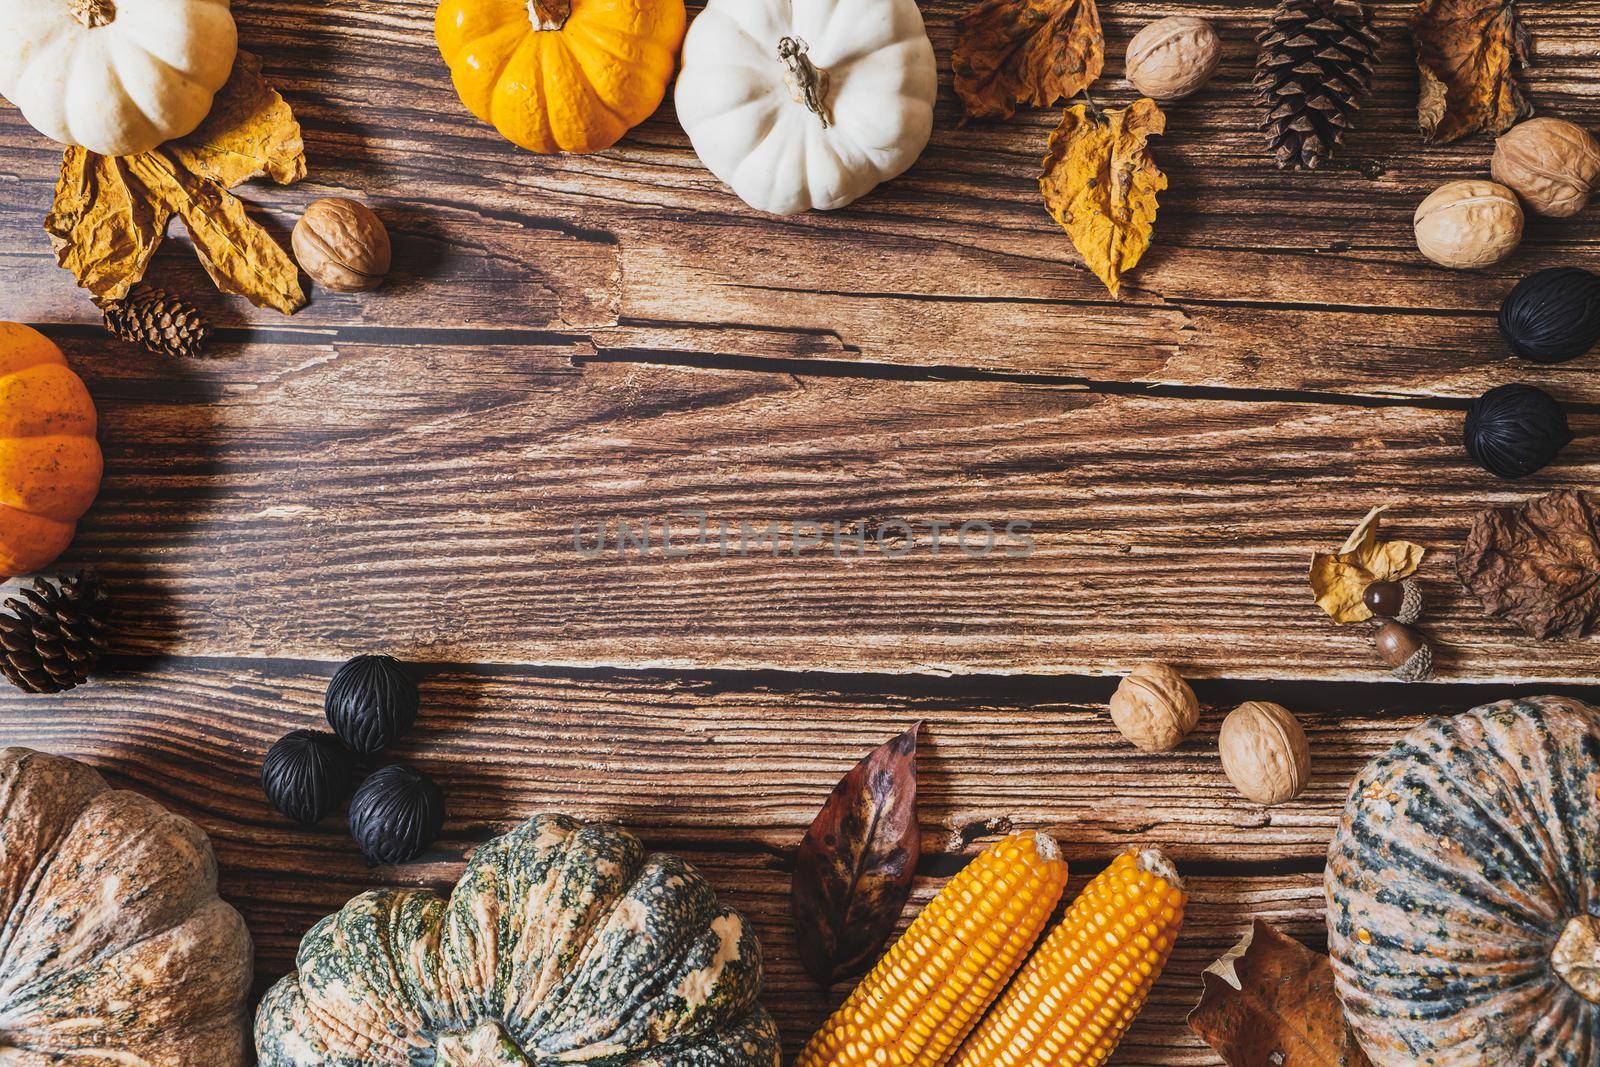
<point>1072,1002</point>
<point>932,987</point>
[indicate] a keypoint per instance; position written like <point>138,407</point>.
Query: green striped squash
<point>1463,890</point>
<point>563,942</point>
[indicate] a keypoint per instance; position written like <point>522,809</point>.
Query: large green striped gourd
<point>1463,890</point>
<point>562,943</point>
<point>114,948</point>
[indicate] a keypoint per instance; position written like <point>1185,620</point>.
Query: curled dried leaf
<point>1100,183</point>
<point>250,133</point>
<point>1468,53</point>
<point>1036,52</point>
<point>103,226</point>
<point>1271,1000</point>
<point>110,215</point>
<point>1537,563</point>
<point>241,257</point>
<point>854,869</point>
<point>1340,578</point>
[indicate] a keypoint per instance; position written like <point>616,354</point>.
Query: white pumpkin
<point>807,104</point>
<point>117,77</point>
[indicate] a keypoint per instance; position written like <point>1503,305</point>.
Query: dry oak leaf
<point>1270,1002</point>
<point>1340,578</point>
<point>1468,52</point>
<point>110,215</point>
<point>250,133</point>
<point>1100,183</point>
<point>1537,563</point>
<point>854,868</point>
<point>1011,52</point>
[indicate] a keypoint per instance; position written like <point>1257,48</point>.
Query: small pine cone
<point>52,637</point>
<point>159,322</point>
<point>1313,72</point>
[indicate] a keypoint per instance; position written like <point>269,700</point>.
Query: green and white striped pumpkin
<point>563,943</point>
<point>1463,891</point>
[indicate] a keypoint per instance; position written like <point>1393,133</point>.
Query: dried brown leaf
<point>1468,52</point>
<point>1537,563</point>
<point>241,257</point>
<point>1100,183</point>
<point>854,869</point>
<point>1012,52</point>
<point>103,227</point>
<point>1340,578</point>
<point>250,133</point>
<point>1270,1001</point>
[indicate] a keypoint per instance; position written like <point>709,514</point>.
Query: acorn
<point>307,774</point>
<point>371,703</point>
<point>1400,601</point>
<point>1405,650</point>
<point>396,815</point>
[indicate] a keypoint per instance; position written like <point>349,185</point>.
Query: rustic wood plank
<point>737,762</point>
<point>953,265</point>
<point>299,499</point>
<point>728,771</point>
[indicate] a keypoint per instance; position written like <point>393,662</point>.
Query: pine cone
<point>1314,71</point>
<point>53,636</point>
<point>159,322</point>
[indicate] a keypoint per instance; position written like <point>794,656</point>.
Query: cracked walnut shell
<point>342,245</point>
<point>1553,165</point>
<point>1264,752</point>
<point>1154,707</point>
<point>1469,224</point>
<point>1173,57</point>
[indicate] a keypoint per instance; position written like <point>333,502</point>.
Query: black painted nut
<point>371,703</point>
<point>1405,650</point>
<point>1554,315</point>
<point>396,815</point>
<point>1514,430</point>
<point>307,774</point>
<point>1400,601</point>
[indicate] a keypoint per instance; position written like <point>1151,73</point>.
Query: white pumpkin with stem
<point>807,104</point>
<point>117,77</point>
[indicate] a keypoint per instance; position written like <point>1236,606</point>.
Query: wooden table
<point>571,341</point>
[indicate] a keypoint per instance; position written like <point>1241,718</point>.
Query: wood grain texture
<point>297,501</point>
<point>729,770</point>
<point>953,265</point>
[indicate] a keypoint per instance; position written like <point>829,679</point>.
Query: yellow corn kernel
<point>1078,994</point>
<point>932,987</point>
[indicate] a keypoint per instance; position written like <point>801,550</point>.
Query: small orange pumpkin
<point>50,463</point>
<point>561,75</point>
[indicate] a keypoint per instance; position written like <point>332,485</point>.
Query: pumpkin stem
<point>93,13</point>
<point>549,14</point>
<point>485,1046</point>
<point>1576,957</point>
<point>807,84</point>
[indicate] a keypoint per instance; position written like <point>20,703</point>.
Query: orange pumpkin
<point>561,75</point>
<point>50,463</point>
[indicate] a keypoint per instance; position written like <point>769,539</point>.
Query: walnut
<point>1154,707</point>
<point>1553,165</point>
<point>342,245</point>
<point>1264,752</point>
<point>1469,224</point>
<point>1173,57</point>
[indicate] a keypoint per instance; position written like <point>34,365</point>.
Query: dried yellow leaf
<point>250,133</point>
<point>1340,578</point>
<point>110,215</point>
<point>102,225</point>
<point>1100,183</point>
<point>241,257</point>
